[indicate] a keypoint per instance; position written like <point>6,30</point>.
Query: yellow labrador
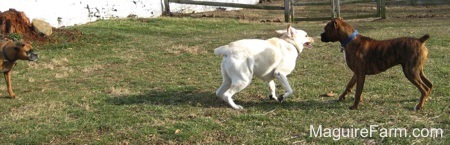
<point>265,59</point>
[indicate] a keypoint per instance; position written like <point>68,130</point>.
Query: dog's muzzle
<point>308,44</point>
<point>32,56</point>
<point>324,38</point>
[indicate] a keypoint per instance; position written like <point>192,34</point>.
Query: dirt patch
<point>13,21</point>
<point>63,35</point>
<point>179,49</point>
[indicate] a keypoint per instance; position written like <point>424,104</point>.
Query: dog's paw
<point>341,98</point>
<point>417,108</point>
<point>353,107</point>
<point>222,98</point>
<point>271,97</point>
<point>280,98</point>
<point>237,107</point>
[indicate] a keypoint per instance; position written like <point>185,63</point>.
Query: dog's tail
<point>222,50</point>
<point>424,38</point>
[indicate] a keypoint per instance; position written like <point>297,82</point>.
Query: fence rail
<point>248,6</point>
<point>227,4</point>
<point>342,2</point>
<point>419,2</point>
<point>288,8</point>
<point>336,9</point>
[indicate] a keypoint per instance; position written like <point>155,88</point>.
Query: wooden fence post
<point>166,7</point>
<point>383,9</point>
<point>378,8</point>
<point>333,9</point>
<point>286,10</point>
<point>338,8</point>
<point>292,10</point>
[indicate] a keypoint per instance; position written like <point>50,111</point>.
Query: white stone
<point>41,26</point>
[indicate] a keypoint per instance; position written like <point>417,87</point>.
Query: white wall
<point>71,12</point>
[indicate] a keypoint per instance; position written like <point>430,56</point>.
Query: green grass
<point>153,81</point>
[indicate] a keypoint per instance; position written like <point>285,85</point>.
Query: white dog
<point>266,59</point>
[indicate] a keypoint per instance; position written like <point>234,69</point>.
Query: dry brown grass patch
<point>179,49</point>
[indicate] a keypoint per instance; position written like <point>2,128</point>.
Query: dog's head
<point>297,37</point>
<point>336,30</point>
<point>24,51</point>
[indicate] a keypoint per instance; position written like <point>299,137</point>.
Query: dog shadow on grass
<point>174,98</point>
<point>5,97</point>
<point>210,100</point>
<point>267,104</point>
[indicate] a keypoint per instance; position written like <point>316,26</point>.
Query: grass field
<point>152,81</point>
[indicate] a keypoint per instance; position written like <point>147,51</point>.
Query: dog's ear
<point>336,21</point>
<point>290,31</point>
<point>281,31</point>
<point>18,45</point>
<point>335,24</point>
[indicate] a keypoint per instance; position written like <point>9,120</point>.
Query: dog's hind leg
<point>272,90</point>
<point>224,87</point>
<point>284,82</point>
<point>414,77</point>
<point>427,83</point>
<point>240,76</point>
<point>235,87</point>
<point>226,82</point>
<point>349,87</point>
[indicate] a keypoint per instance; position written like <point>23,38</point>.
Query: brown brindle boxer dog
<point>11,51</point>
<point>366,56</point>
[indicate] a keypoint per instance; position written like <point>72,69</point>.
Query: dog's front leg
<point>8,84</point>
<point>272,90</point>
<point>284,82</point>
<point>349,87</point>
<point>360,79</point>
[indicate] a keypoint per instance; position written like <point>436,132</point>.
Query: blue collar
<point>350,38</point>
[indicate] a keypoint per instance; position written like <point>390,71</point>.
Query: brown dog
<point>12,51</point>
<point>366,56</point>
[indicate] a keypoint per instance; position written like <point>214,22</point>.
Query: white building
<point>71,12</point>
